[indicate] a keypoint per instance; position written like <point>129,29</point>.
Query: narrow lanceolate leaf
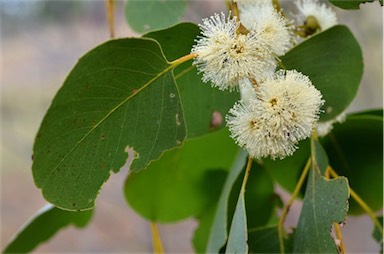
<point>238,234</point>
<point>333,61</point>
<point>120,96</point>
<point>185,181</point>
<point>349,4</point>
<point>143,16</point>
<point>218,235</point>
<point>42,226</point>
<point>204,107</point>
<point>355,150</point>
<point>325,202</point>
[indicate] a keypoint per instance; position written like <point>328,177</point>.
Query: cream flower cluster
<point>285,111</point>
<point>276,110</point>
<point>225,55</point>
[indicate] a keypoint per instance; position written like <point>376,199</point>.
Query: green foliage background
<point>144,91</point>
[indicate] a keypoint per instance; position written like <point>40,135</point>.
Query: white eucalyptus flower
<point>286,111</point>
<point>269,24</point>
<point>323,128</point>
<point>324,15</point>
<point>225,57</point>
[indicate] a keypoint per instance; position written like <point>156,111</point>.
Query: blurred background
<point>40,42</point>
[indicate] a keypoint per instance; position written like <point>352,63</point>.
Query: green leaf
<point>185,181</point>
<point>238,234</point>
<point>260,199</point>
<point>143,16</point>
<point>349,4</point>
<point>325,202</point>
<point>204,107</point>
<point>260,202</point>
<point>355,150</point>
<point>333,61</point>
<point>218,234</point>
<point>43,225</point>
<point>373,112</point>
<point>266,240</point>
<point>119,96</point>
<point>176,41</point>
<point>377,235</point>
<point>287,172</point>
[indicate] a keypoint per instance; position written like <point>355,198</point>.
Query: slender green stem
<point>110,6</point>
<point>277,6</point>
<point>235,9</point>
<point>235,13</point>
<point>183,59</point>
<point>282,66</point>
<point>290,202</point>
<point>157,245</point>
<point>339,236</point>
<point>247,171</point>
<point>361,203</point>
<point>228,4</point>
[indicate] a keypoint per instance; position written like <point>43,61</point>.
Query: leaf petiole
<point>182,59</point>
<point>110,8</point>
<point>157,244</point>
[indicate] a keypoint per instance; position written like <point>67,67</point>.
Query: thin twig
<point>290,202</point>
<point>339,236</point>
<point>110,6</point>
<point>183,59</point>
<point>157,245</point>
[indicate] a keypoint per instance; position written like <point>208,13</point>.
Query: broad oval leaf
<point>184,181</point>
<point>204,107</point>
<point>144,16</point>
<point>260,197</point>
<point>325,202</point>
<point>349,4</point>
<point>201,234</point>
<point>355,150</point>
<point>333,61</point>
<point>119,96</point>
<point>42,226</point>
<point>266,240</point>
<point>287,172</point>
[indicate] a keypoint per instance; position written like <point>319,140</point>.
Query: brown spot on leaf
<point>216,120</point>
